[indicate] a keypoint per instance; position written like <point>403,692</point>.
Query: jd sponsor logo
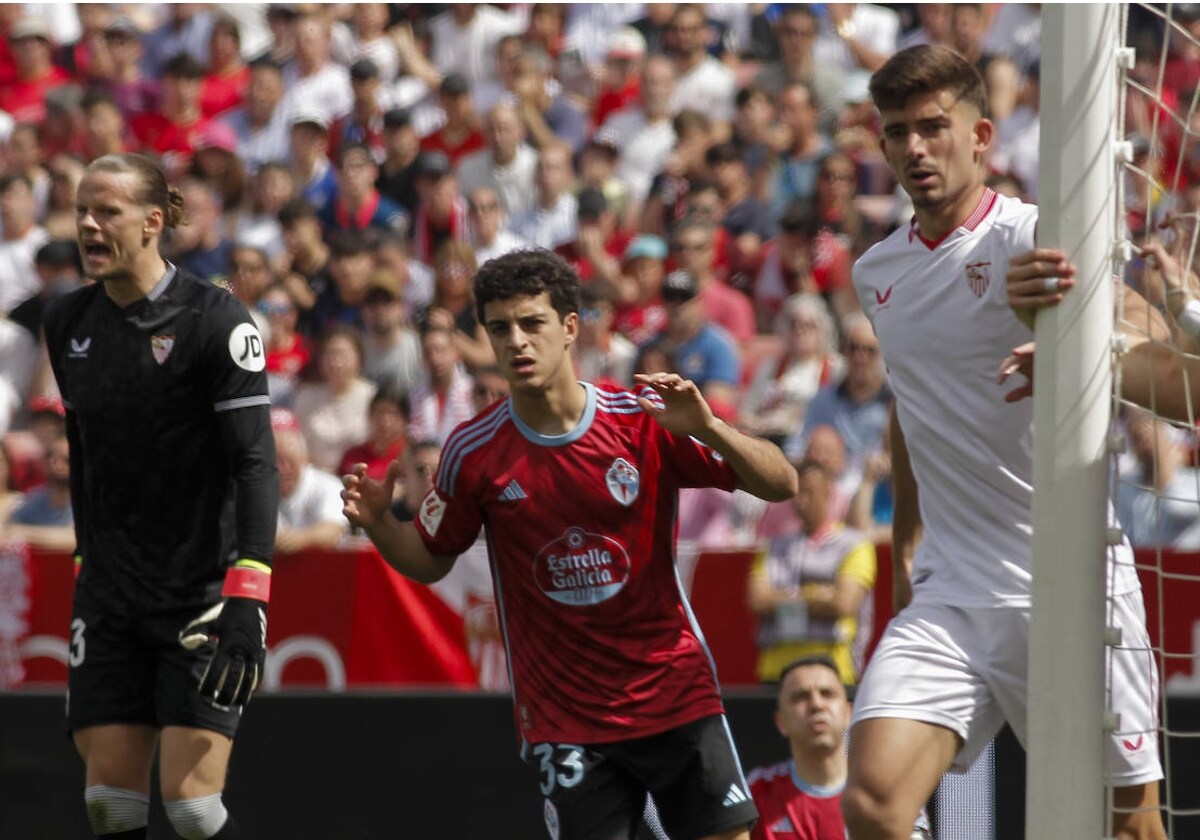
<point>581,569</point>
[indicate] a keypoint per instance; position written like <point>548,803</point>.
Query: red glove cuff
<point>248,579</point>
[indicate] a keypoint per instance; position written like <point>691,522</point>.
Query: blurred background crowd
<point>711,171</point>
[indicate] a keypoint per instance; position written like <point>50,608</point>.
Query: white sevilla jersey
<point>941,314</point>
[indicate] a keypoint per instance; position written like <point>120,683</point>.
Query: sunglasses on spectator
<point>274,308</point>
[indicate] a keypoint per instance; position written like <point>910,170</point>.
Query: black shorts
<point>598,791</point>
<point>132,669</point>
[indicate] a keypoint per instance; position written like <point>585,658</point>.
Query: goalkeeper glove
<point>238,623</point>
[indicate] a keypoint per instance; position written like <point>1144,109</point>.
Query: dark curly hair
<point>527,273</point>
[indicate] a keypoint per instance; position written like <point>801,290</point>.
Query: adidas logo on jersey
<point>736,796</point>
<point>513,492</point>
<point>783,824</point>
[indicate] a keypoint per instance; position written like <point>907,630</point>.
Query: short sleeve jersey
<point>790,809</point>
<point>580,529</point>
<point>152,481</point>
<point>941,313</point>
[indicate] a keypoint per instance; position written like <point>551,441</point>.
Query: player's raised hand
<point>366,501</point>
<point>1166,281</point>
<point>684,411</point>
<point>1037,279</point>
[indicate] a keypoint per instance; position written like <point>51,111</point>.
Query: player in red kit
<point>801,798</point>
<point>576,485</point>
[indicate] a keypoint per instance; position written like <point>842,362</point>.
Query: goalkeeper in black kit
<point>175,494</point>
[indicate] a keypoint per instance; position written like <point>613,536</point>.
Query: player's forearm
<point>1157,377</point>
<point>906,515</point>
<point>400,545</point>
<point>760,465</point>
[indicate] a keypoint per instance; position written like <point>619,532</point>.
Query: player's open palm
<point>683,409</point>
<point>366,501</point>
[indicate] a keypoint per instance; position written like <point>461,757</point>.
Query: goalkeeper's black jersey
<point>172,459</point>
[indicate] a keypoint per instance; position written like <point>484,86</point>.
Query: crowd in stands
<point>711,171</point>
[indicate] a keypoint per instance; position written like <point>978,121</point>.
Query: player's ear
<point>984,132</point>
<point>778,725</point>
<point>571,327</point>
<point>153,224</point>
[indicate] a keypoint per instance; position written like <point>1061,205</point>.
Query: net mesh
<point>1156,486</point>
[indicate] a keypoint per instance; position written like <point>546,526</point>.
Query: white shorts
<point>965,669</point>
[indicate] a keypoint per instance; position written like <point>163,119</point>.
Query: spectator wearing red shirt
<point>623,65</point>
<point>441,208</point>
<point>460,135</point>
<point>87,56</point>
<point>24,98</point>
<point>804,257</point>
<point>288,351</point>
<point>595,254</point>
<point>723,305</point>
<point>640,314</point>
<point>387,437</point>
<point>173,130</point>
<point>224,86</point>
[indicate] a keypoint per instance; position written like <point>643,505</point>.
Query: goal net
<point>1119,162</point>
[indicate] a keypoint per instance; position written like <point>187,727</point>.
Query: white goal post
<point>1072,409</point>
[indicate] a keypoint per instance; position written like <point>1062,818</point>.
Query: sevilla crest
<point>160,346</point>
<point>979,277</point>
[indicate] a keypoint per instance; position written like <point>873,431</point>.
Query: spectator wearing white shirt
<point>508,164</point>
<point>310,500</point>
<point>796,31</point>
<point>465,37</point>
<point>704,83</point>
<point>933,27</point>
<point>602,355</point>
<point>589,26</point>
<point>857,36</point>
<point>364,35</point>
<point>1019,134</point>
<point>553,220</point>
<point>1156,504</point>
<point>261,125</point>
<point>644,136</point>
<point>489,236</point>
<point>499,87</point>
<point>444,400</point>
<point>391,347</point>
<point>20,237</point>
<point>313,81</point>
